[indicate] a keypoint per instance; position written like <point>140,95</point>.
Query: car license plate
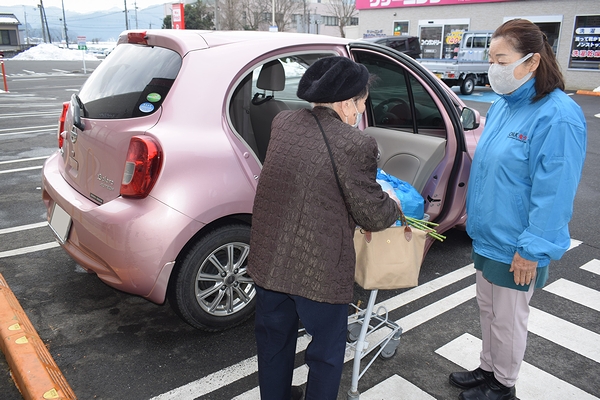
<point>60,222</point>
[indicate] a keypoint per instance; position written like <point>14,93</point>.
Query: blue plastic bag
<point>413,204</point>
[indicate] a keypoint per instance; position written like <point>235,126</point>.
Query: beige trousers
<point>503,313</point>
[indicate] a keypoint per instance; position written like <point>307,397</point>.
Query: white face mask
<point>358,115</point>
<point>502,77</point>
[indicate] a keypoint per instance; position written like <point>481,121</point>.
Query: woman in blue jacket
<point>523,182</point>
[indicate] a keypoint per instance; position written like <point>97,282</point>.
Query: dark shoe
<point>490,390</point>
<point>470,379</point>
<point>297,393</point>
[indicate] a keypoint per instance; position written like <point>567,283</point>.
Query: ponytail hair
<point>526,37</point>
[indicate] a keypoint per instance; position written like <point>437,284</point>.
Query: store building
<point>9,34</point>
<point>572,27</point>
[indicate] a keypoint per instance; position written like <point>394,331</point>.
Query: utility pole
<point>26,27</point>
<point>126,18</point>
<point>42,21</point>
<point>45,21</point>
<point>65,23</point>
<point>135,5</point>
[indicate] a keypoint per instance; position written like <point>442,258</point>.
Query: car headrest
<point>271,76</point>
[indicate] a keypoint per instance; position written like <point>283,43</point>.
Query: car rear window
<point>132,81</point>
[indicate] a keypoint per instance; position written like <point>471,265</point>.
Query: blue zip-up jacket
<point>524,176</point>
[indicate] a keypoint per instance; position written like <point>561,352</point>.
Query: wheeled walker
<point>365,329</point>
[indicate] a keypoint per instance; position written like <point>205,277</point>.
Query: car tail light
<point>144,159</point>
<point>137,38</point>
<point>61,124</point>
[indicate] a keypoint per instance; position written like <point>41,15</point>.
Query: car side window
<point>267,89</point>
<point>398,99</point>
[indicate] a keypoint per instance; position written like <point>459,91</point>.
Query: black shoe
<point>470,379</point>
<point>297,393</point>
<point>490,390</point>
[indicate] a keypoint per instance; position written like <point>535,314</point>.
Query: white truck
<point>469,68</point>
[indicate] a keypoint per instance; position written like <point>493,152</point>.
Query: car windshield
<point>133,81</point>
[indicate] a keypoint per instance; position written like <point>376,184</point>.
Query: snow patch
<point>45,51</point>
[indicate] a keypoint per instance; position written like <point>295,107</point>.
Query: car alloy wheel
<point>211,289</point>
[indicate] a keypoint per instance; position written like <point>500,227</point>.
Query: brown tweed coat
<point>301,238</point>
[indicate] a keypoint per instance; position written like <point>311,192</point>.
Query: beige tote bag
<point>389,259</point>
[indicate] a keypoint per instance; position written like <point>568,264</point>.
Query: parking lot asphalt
<point>34,370</point>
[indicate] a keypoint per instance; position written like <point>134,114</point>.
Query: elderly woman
<point>520,199</point>
<point>306,208</point>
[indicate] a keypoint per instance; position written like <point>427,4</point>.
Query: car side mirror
<point>469,119</point>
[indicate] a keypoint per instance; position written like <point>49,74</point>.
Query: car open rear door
<point>417,125</point>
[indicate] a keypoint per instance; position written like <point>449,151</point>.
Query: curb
<point>33,369</point>
<point>588,92</point>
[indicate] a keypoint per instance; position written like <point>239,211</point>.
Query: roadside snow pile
<point>45,51</point>
<point>597,89</point>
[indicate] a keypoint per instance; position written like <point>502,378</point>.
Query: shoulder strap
<point>337,179</point>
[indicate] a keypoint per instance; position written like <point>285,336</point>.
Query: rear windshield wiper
<point>76,101</point>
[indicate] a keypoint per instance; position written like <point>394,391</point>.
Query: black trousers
<point>276,329</point>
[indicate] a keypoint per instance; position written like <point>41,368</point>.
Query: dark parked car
<point>408,45</point>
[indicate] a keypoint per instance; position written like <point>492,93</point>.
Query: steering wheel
<point>386,112</point>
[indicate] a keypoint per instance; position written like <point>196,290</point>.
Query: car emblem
<point>73,136</point>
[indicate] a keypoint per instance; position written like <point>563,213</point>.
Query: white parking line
<point>28,127</point>
<point>37,114</point>
<point>23,160</point>
<point>20,169</point>
<point>27,132</point>
<point>23,227</point>
<point>30,249</point>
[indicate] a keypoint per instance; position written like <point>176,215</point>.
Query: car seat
<point>263,107</point>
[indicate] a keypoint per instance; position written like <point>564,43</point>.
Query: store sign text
<point>365,4</point>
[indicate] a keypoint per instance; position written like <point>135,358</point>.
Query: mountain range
<point>97,26</point>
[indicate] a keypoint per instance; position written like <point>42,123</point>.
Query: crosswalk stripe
<point>395,387</point>
<point>427,288</point>
<point>574,243</point>
<point>565,334</point>
<point>212,382</point>
<point>592,266</point>
<point>200,387</point>
<point>575,292</point>
<point>435,309</point>
<point>407,323</point>
<point>533,383</point>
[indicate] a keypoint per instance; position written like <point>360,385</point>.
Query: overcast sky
<point>86,6</point>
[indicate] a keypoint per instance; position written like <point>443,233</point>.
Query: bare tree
<point>231,15</point>
<point>253,13</point>
<point>284,12</point>
<point>344,11</point>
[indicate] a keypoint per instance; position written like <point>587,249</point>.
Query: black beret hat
<point>332,79</point>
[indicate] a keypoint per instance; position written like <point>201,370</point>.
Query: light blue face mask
<point>358,115</point>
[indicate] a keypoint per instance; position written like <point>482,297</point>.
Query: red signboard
<point>369,4</point>
<point>177,16</point>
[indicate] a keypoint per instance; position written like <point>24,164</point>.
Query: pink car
<point>160,153</point>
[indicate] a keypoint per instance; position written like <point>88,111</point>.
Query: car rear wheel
<point>211,289</point>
